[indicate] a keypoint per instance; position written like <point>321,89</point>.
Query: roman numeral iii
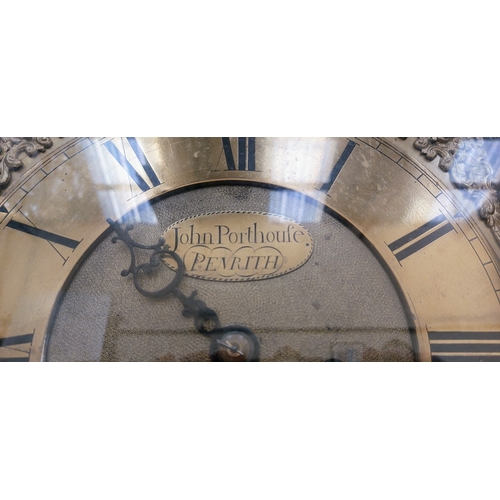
<point>19,345</point>
<point>421,237</point>
<point>464,346</point>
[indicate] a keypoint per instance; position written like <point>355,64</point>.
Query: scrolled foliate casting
<point>444,147</point>
<point>467,162</point>
<point>12,147</point>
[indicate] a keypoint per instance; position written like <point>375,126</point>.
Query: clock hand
<point>154,261</point>
<point>206,319</point>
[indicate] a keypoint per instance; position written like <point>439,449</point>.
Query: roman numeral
<point>41,233</point>
<point>127,166</point>
<point>21,344</point>
<point>3,212</point>
<point>420,237</point>
<point>327,185</point>
<point>465,346</point>
<point>246,153</point>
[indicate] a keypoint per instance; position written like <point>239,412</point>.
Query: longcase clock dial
<point>361,252</point>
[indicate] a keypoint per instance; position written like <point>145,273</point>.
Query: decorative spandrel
<point>10,152</point>
<point>469,166</point>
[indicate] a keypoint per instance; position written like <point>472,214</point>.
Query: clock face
<point>313,249</point>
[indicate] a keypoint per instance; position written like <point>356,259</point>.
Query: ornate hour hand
<point>230,343</point>
<point>154,261</point>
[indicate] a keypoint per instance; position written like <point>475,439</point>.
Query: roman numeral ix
<point>41,233</point>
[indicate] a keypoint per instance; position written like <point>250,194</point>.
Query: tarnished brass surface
<point>430,242</point>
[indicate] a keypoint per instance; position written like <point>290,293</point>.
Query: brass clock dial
<point>345,249</point>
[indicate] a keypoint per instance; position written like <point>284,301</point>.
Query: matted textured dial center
<point>339,304</point>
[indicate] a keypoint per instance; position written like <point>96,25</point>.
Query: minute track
<point>385,191</point>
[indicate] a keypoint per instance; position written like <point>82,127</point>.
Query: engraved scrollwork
<point>467,162</point>
<point>12,147</point>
